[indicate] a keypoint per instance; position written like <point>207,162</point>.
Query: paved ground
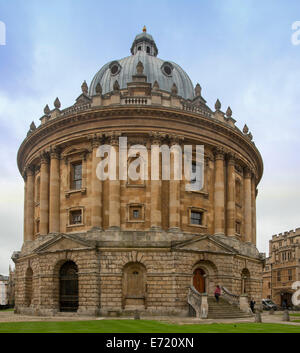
<point>9,316</point>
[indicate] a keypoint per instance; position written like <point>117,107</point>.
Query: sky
<point>240,52</point>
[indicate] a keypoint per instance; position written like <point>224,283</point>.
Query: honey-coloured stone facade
<point>123,244</point>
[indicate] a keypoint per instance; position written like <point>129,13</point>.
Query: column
<point>230,205</point>
<point>247,205</point>
<point>219,192</point>
<point>155,212</point>
<point>114,189</point>
<point>210,165</point>
<point>29,213</point>
<point>54,195</point>
<point>44,198</point>
<point>96,188</point>
<point>174,189</point>
<point>253,198</point>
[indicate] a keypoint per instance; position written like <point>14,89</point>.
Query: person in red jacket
<point>217,293</point>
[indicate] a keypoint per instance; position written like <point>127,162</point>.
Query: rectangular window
<point>290,275</point>
<point>269,284</point>
<point>136,213</point>
<point>76,176</point>
<point>278,276</point>
<point>76,217</point>
<point>238,227</point>
<point>196,217</point>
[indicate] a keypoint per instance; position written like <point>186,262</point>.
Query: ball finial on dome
<point>144,29</point>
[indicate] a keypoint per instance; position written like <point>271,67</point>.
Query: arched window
<point>38,189</point>
<point>238,198</point>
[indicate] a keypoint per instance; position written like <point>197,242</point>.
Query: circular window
<point>167,69</point>
<point>115,68</point>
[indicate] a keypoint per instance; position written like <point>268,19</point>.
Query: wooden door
<point>134,285</point>
<point>199,280</point>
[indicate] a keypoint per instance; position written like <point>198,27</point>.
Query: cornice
<point>191,118</point>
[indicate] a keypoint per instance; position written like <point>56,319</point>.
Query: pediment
<point>205,244</point>
<point>64,242</point>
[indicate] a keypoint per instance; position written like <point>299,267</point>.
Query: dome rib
<point>152,69</point>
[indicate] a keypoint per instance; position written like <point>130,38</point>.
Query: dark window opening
<point>238,227</point>
<point>196,217</point>
<point>76,217</point>
<point>148,50</point>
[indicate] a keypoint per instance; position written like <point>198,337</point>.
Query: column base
<point>155,228</point>
<point>114,228</point>
<point>174,230</point>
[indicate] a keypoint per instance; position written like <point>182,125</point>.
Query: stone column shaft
<point>253,197</point>
<point>29,213</point>
<point>155,212</point>
<point>247,206</point>
<point>230,223</point>
<point>44,198</point>
<point>54,195</point>
<point>174,193</point>
<point>219,198</point>
<point>114,193</point>
<point>96,189</point>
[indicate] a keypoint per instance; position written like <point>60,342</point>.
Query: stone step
<point>224,310</point>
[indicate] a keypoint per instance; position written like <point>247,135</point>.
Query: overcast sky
<point>239,51</point>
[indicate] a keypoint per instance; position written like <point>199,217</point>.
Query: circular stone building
<point>110,247</point>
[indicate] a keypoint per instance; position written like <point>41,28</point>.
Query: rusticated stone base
<point>107,267</point>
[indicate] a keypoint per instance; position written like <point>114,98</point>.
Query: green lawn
<point>140,326</point>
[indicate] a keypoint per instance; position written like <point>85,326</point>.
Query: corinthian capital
<point>219,153</point>
<point>54,152</point>
<point>44,157</point>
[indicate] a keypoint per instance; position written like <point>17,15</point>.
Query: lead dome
<point>143,49</point>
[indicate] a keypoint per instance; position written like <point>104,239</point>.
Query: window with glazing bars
<point>196,217</point>
<point>76,181</point>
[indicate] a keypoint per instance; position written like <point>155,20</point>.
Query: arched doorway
<point>28,286</point>
<point>245,288</point>
<point>68,287</point>
<point>199,280</point>
<point>134,285</point>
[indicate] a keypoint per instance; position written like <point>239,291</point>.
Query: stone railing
<point>231,298</point>
<point>135,100</point>
<point>75,108</point>
<point>195,109</point>
<point>199,302</point>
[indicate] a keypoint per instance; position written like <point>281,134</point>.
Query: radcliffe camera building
<point>110,247</point>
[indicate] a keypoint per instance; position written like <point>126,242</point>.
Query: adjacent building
<point>282,267</point>
<point>3,290</point>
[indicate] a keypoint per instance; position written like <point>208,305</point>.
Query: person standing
<point>217,293</point>
<point>252,304</point>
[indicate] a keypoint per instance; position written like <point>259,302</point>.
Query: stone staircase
<point>224,310</point>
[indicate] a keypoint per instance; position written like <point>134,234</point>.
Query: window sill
<point>197,226</point>
<point>136,221</point>
<point>135,185</point>
<point>68,193</point>
<point>203,193</point>
<point>74,225</point>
